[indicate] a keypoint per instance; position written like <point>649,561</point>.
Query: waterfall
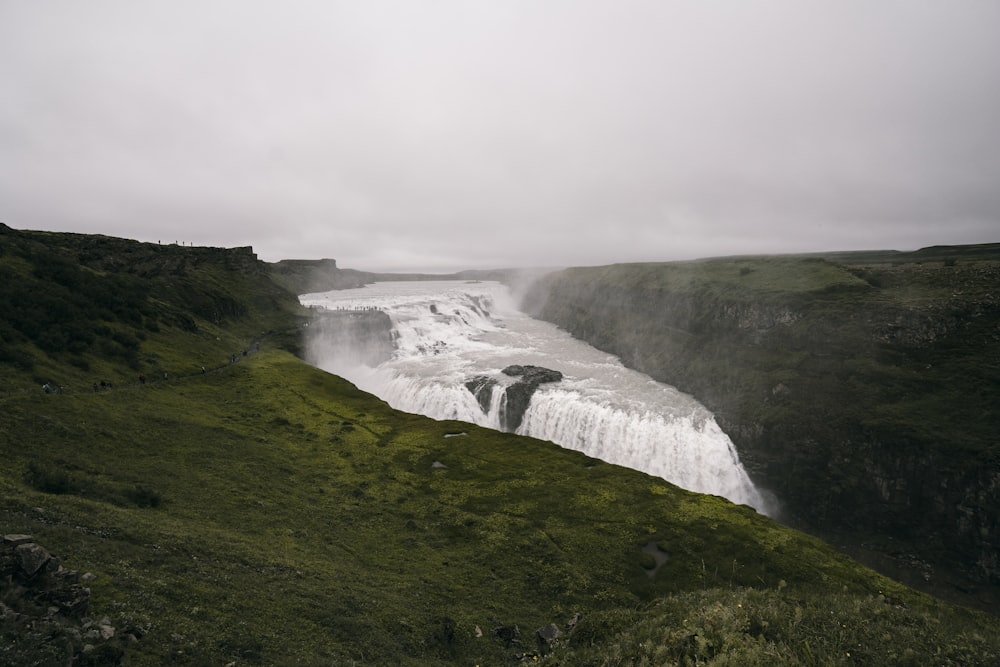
<point>689,450</point>
<point>446,334</point>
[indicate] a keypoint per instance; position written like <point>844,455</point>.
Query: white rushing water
<point>447,333</point>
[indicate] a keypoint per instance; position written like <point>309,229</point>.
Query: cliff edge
<point>860,389</point>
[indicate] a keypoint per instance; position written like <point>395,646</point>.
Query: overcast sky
<point>450,134</point>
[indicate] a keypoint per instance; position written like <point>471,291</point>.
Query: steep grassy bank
<point>265,512</point>
<point>298,520</point>
<point>863,394</point>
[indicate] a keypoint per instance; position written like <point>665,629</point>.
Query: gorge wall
<point>861,391</point>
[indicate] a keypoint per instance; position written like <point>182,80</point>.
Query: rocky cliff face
<point>862,396</point>
<point>303,276</point>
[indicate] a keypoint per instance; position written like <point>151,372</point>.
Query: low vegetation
<point>265,512</point>
<point>80,309</point>
<point>298,520</point>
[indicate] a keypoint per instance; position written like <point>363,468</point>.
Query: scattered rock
<point>32,557</point>
<point>547,637</point>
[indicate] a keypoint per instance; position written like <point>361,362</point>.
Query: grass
<point>81,309</point>
<point>265,512</point>
<point>301,521</point>
<point>749,627</point>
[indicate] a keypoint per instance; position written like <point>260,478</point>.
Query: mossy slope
<point>79,309</point>
<point>265,512</point>
<point>299,520</point>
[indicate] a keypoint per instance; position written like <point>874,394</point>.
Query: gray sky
<point>449,134</point>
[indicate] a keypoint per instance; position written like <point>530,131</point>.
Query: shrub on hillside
<point>49,479</point>
<point>767,627</point>
<point>143,497</point>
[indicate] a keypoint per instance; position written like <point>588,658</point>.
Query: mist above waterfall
<point>444,335</point>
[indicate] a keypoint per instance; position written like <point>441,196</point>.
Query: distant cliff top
<point>79,307</point>
<point>303,276</point>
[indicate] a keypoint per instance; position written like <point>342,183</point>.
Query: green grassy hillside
<point>79,309</point>
<point>265,512</point>
<point>861,389</point>
<point>298,520</point>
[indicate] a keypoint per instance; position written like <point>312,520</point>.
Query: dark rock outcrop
<point>517,396</point>
<point>535,375</point>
